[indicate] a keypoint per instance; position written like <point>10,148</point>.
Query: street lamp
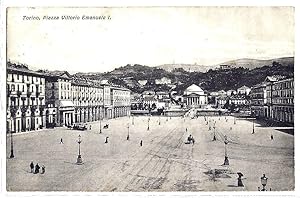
<point>128,131</point>
<point>132,120</point>
<point>214,138</point>
<point>11,146</point>
<point>226,161</point>
<point>100,124</point>
<point>253,126</point>
<point>264,181</point>
<point>148,124</point>
<point>79,159</point>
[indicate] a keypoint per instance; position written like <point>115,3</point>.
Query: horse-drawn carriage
<point>78,126</point>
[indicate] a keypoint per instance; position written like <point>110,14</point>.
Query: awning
<point>66,104</point>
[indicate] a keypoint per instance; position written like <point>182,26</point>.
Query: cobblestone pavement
<point>164,162</point>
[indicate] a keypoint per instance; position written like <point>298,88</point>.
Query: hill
<point>244,62</point>
<point>211,80</point>
<point>254,63</point>
<point>186,67</point>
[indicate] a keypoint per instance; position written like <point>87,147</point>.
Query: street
<point>164,162</point>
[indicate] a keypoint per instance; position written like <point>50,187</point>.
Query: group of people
<point>190,139</point>
<point>36,169</point>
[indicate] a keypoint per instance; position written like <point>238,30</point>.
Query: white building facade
<point>195,97</point>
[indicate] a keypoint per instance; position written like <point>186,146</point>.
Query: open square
<point>164,161</point>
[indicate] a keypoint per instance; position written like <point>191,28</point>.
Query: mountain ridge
<point>249,63</point>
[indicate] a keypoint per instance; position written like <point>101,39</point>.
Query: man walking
<point>61,141</point>
<point>31,167</point>
<point>37,169</point>
<point>43,169</point>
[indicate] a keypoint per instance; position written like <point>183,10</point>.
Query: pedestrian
<point>141,143</point>
<point>272,137</point>
<point>185,129</point>
<point>90,127</point>
<point>61,141</point>
<point>189,139</point>
<point>43,169</point>
<point>193,140</point>
<point>37,168</point>
<point>106,140</point>
<point>31,167</point>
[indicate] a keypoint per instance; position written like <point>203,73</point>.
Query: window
<point>12,87</point>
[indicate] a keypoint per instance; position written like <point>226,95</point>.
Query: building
<point>283,101</point>
<point>150,101</point>
<point>224,67</point>
<point>161,95</point>
<point>26,109</point>
<point>214,93</point>
<point>244,90</point>
<point>221,101</point>
<point>87,97</point>
<point>273,99</point>
<point>230,92</point>
<point>120,101</point>
<point>258,97</point>
<point>194,96</point>
<point>163,81</point>
<point>59,96</point>
<point>238,100</point>
<point>142,82</point>
<point>107,101</point>
<point>222,93</point>
<point>36,100</point>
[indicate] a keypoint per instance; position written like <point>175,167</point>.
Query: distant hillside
<point>186,67</point>
<point>212,80</point>
<point>254,63</point>
<point>245,63</point>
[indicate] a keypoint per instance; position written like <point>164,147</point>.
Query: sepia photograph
<point>150,99</point>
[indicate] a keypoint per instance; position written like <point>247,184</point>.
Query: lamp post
<point>234,121</point>
<point>214,138</point>
<point>79,159</point>
<point>159,120</point>
<point>264,181</point>
<point>253,126</point>
<point>148,124</point>
<point>132,120</point>
<point>226,161</point>
<point>128,131</point>
<point>11,146</point>
<point>100,130</point>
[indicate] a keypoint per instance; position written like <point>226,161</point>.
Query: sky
<point>149,36</point>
